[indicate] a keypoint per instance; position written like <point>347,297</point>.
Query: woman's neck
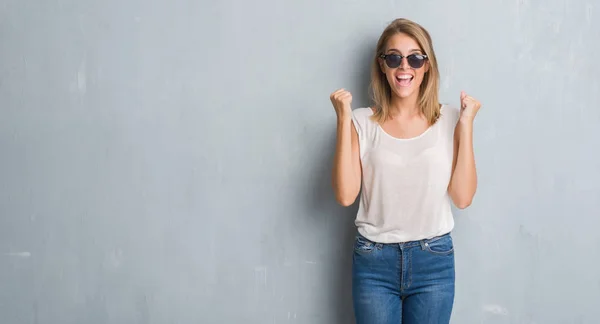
<point>405,107</point>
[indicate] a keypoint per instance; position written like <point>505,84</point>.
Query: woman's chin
<point>403,93</point>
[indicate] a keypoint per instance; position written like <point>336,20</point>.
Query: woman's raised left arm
<point>463,182</point>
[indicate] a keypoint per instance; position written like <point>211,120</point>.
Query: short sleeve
<point>450,115</point>
<point>453,114</point>
<point>360,120</point>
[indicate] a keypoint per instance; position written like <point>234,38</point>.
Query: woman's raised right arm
<point>346,175</point>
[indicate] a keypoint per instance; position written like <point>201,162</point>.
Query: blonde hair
<point>381,92</point>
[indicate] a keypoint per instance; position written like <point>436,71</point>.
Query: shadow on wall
<point>339,233</point>
<point>339,221</point>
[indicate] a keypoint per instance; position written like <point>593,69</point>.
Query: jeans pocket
<point>363,245</point>
<point>440,245</point>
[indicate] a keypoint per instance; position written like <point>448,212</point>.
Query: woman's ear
<point>381,64</point>
<point>426,66</point>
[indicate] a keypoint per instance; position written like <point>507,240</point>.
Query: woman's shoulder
<point>450,113</point>
<point>362,115</point>
<point>361,118</point>
<point>363,112</point>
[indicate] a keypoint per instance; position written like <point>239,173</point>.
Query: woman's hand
<point>469,107</point>
<point>342,101</point>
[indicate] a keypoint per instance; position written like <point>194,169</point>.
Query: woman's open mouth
<point>404,80</point>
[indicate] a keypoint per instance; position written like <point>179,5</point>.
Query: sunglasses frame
<point>384,56</point>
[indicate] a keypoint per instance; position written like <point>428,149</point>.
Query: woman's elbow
<point>463,203</point>
<point>461,200</point>
<point>345,200</point>
<point>346,196</point>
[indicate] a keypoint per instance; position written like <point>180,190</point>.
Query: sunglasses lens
<point>393,61</point>
<point>415,61</point>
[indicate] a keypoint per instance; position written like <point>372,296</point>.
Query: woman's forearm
<point>346,164</point>
<point>463,183</point>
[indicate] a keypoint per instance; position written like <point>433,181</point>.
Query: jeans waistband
<point>408,243</point>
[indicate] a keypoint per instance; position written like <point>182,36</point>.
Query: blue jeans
<point>403,283</point>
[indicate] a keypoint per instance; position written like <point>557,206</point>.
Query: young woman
<point>413,158</point>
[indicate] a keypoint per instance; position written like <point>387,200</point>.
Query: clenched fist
<point>469,107</point>
<point>342,100</point>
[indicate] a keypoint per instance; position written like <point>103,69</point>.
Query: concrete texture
<point>169,161</point>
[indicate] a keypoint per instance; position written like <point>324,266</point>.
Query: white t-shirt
<point>404,194</point>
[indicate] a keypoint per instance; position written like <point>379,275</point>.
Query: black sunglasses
<point>394,60</point>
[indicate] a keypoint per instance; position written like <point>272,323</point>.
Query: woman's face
<point>404,65</point>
